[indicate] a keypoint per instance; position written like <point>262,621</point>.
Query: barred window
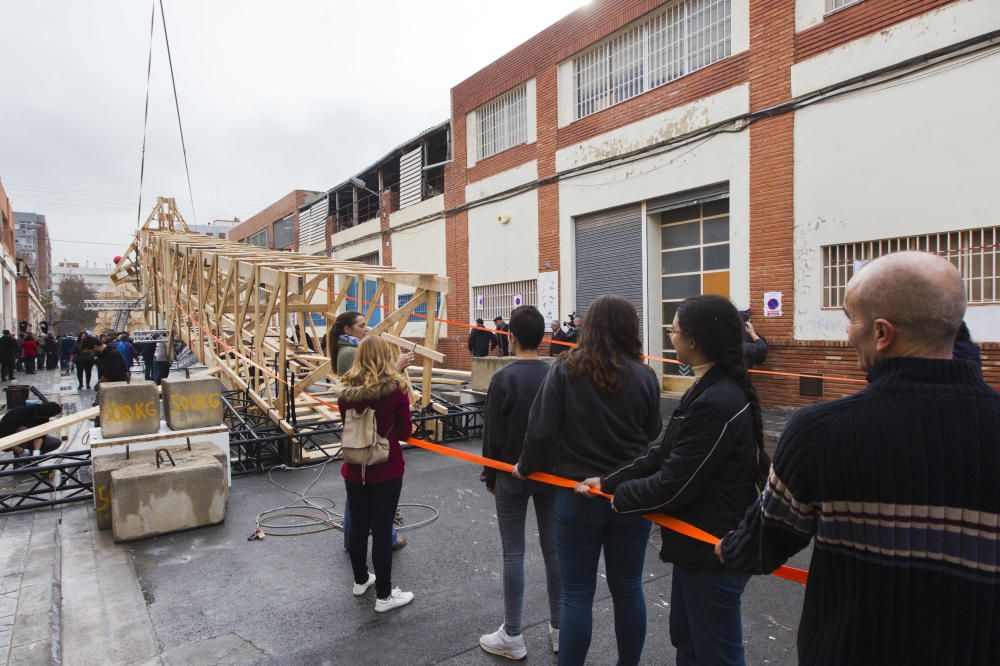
<point>833,5</point>
<point>284,232</point>
<point>420,312</point>
<point>974,252</point>
<point>498,300</point>
<point>260,239</point>
<point>502,123</point>
<point>684,37</point>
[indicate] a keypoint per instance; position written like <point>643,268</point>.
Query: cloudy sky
<point>275,95</point>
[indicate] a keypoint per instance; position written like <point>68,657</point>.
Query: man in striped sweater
<point>899,485</point>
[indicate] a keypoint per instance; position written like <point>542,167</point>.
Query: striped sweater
<point>899,485</point>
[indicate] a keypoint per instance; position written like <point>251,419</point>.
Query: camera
<point>569,320</point>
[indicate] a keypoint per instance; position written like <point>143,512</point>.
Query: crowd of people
<point>113,355</point>
<point>894,487</point>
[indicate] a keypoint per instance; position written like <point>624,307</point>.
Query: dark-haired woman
<point>349,328</point>
<point>597,410</point>
<point>704,471</point>
<point>84,361</point>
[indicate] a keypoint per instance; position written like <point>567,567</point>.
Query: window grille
<point>284,232</point>
<point>498,300</point>
<point>682,38</point>
<point>974,253</point>
<point>502,123</point>
<point>834,5</point>
<point>260,239</point>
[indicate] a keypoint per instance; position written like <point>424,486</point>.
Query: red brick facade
<point>265,219</point>
<point>766,66</point>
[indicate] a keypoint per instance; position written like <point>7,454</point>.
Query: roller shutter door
<point>609,257</point>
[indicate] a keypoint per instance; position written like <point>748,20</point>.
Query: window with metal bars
<point>974,252</point>
<point>260,239</point>
<point>834,5</point>
<point>284,232</point>
<point>420,312</point>
<point>684,37</point>
<point>502,123</point>
<point>498,300</point>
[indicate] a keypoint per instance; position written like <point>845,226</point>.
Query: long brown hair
<point>375,365</point>
<point>610,336</point>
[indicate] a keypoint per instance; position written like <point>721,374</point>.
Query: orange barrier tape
<point>663,520</point>
<point>650,357</point>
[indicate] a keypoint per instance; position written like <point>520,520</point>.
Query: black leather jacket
<point>703,471</point>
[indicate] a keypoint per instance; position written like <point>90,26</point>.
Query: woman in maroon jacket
<point>373,381</point>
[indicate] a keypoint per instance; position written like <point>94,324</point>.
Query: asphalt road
<point>287,600</point>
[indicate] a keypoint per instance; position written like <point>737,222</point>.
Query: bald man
<point>899,485</point>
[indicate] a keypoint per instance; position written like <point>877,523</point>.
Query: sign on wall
<point>772,304</point>
<point>480,302</point>
<point>548,295</point>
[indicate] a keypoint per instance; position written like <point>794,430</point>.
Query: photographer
<point>754,346</point>
<point>573,328</point>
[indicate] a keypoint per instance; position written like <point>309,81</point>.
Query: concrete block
<point>484,367</point>
<point>192,403</point>
<point>128,408</point>
<point>147,500</point>
<point>101,468</point>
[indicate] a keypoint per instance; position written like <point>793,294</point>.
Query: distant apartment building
<point>32,242</point>
<point>95,276</point>
<point>277,226</point>
<point>8,264</point>
<point>215,228</point>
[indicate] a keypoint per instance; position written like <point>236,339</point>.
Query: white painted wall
<point>504,252</point>
<point>922,34</point>
<point>725,157</point>
<point>420,248</point>
<point>345,247</point>
<point>921,157</point>
<point>417,211</point>
<point>809,13</point>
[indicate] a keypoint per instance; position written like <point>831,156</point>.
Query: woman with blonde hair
<point>374,382</point>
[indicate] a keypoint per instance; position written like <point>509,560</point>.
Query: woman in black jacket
<point>705,472</point>
<point>597,410</point>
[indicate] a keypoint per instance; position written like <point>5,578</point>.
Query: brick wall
<point>265,219</point>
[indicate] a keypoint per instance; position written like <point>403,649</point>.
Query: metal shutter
<point>312,222</point>
<point>410,177</point>
<point>609,257</point>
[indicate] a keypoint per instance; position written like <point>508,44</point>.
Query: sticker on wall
<point>480,303</point>
<point>518,300</point>
<point>772,304</point>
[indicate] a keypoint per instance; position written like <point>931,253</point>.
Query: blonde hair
<point>373,364</point>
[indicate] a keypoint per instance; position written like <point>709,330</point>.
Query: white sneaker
<point>36,452</point>
<point>554,639</point>
<point>499,643</point>
<point>395,599</point>
<point>361,588</point>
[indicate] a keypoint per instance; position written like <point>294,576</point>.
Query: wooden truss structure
<point>251,312</point>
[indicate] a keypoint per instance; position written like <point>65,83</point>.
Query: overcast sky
<point>274,96</point>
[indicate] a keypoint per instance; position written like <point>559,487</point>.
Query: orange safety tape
<point>663,520</point>
<point>650,357</point>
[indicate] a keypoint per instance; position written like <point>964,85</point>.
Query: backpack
<point>360,442</point>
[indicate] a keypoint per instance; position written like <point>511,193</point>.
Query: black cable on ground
<point>312,514</point>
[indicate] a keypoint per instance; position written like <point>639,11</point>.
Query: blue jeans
<point>347,527</point>
<point>705,622</point>
<point>583,528</point>
<point>512,497</point>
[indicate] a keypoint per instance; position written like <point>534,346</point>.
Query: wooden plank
<point>403,343</point>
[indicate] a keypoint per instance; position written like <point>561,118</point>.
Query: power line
<point>177,105</point>
<point>145,119</point>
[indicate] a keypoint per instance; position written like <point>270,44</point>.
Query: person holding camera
<point>754,345</point>
<point>558,335</point>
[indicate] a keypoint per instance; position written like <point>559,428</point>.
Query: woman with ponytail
<point>705,471</point>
